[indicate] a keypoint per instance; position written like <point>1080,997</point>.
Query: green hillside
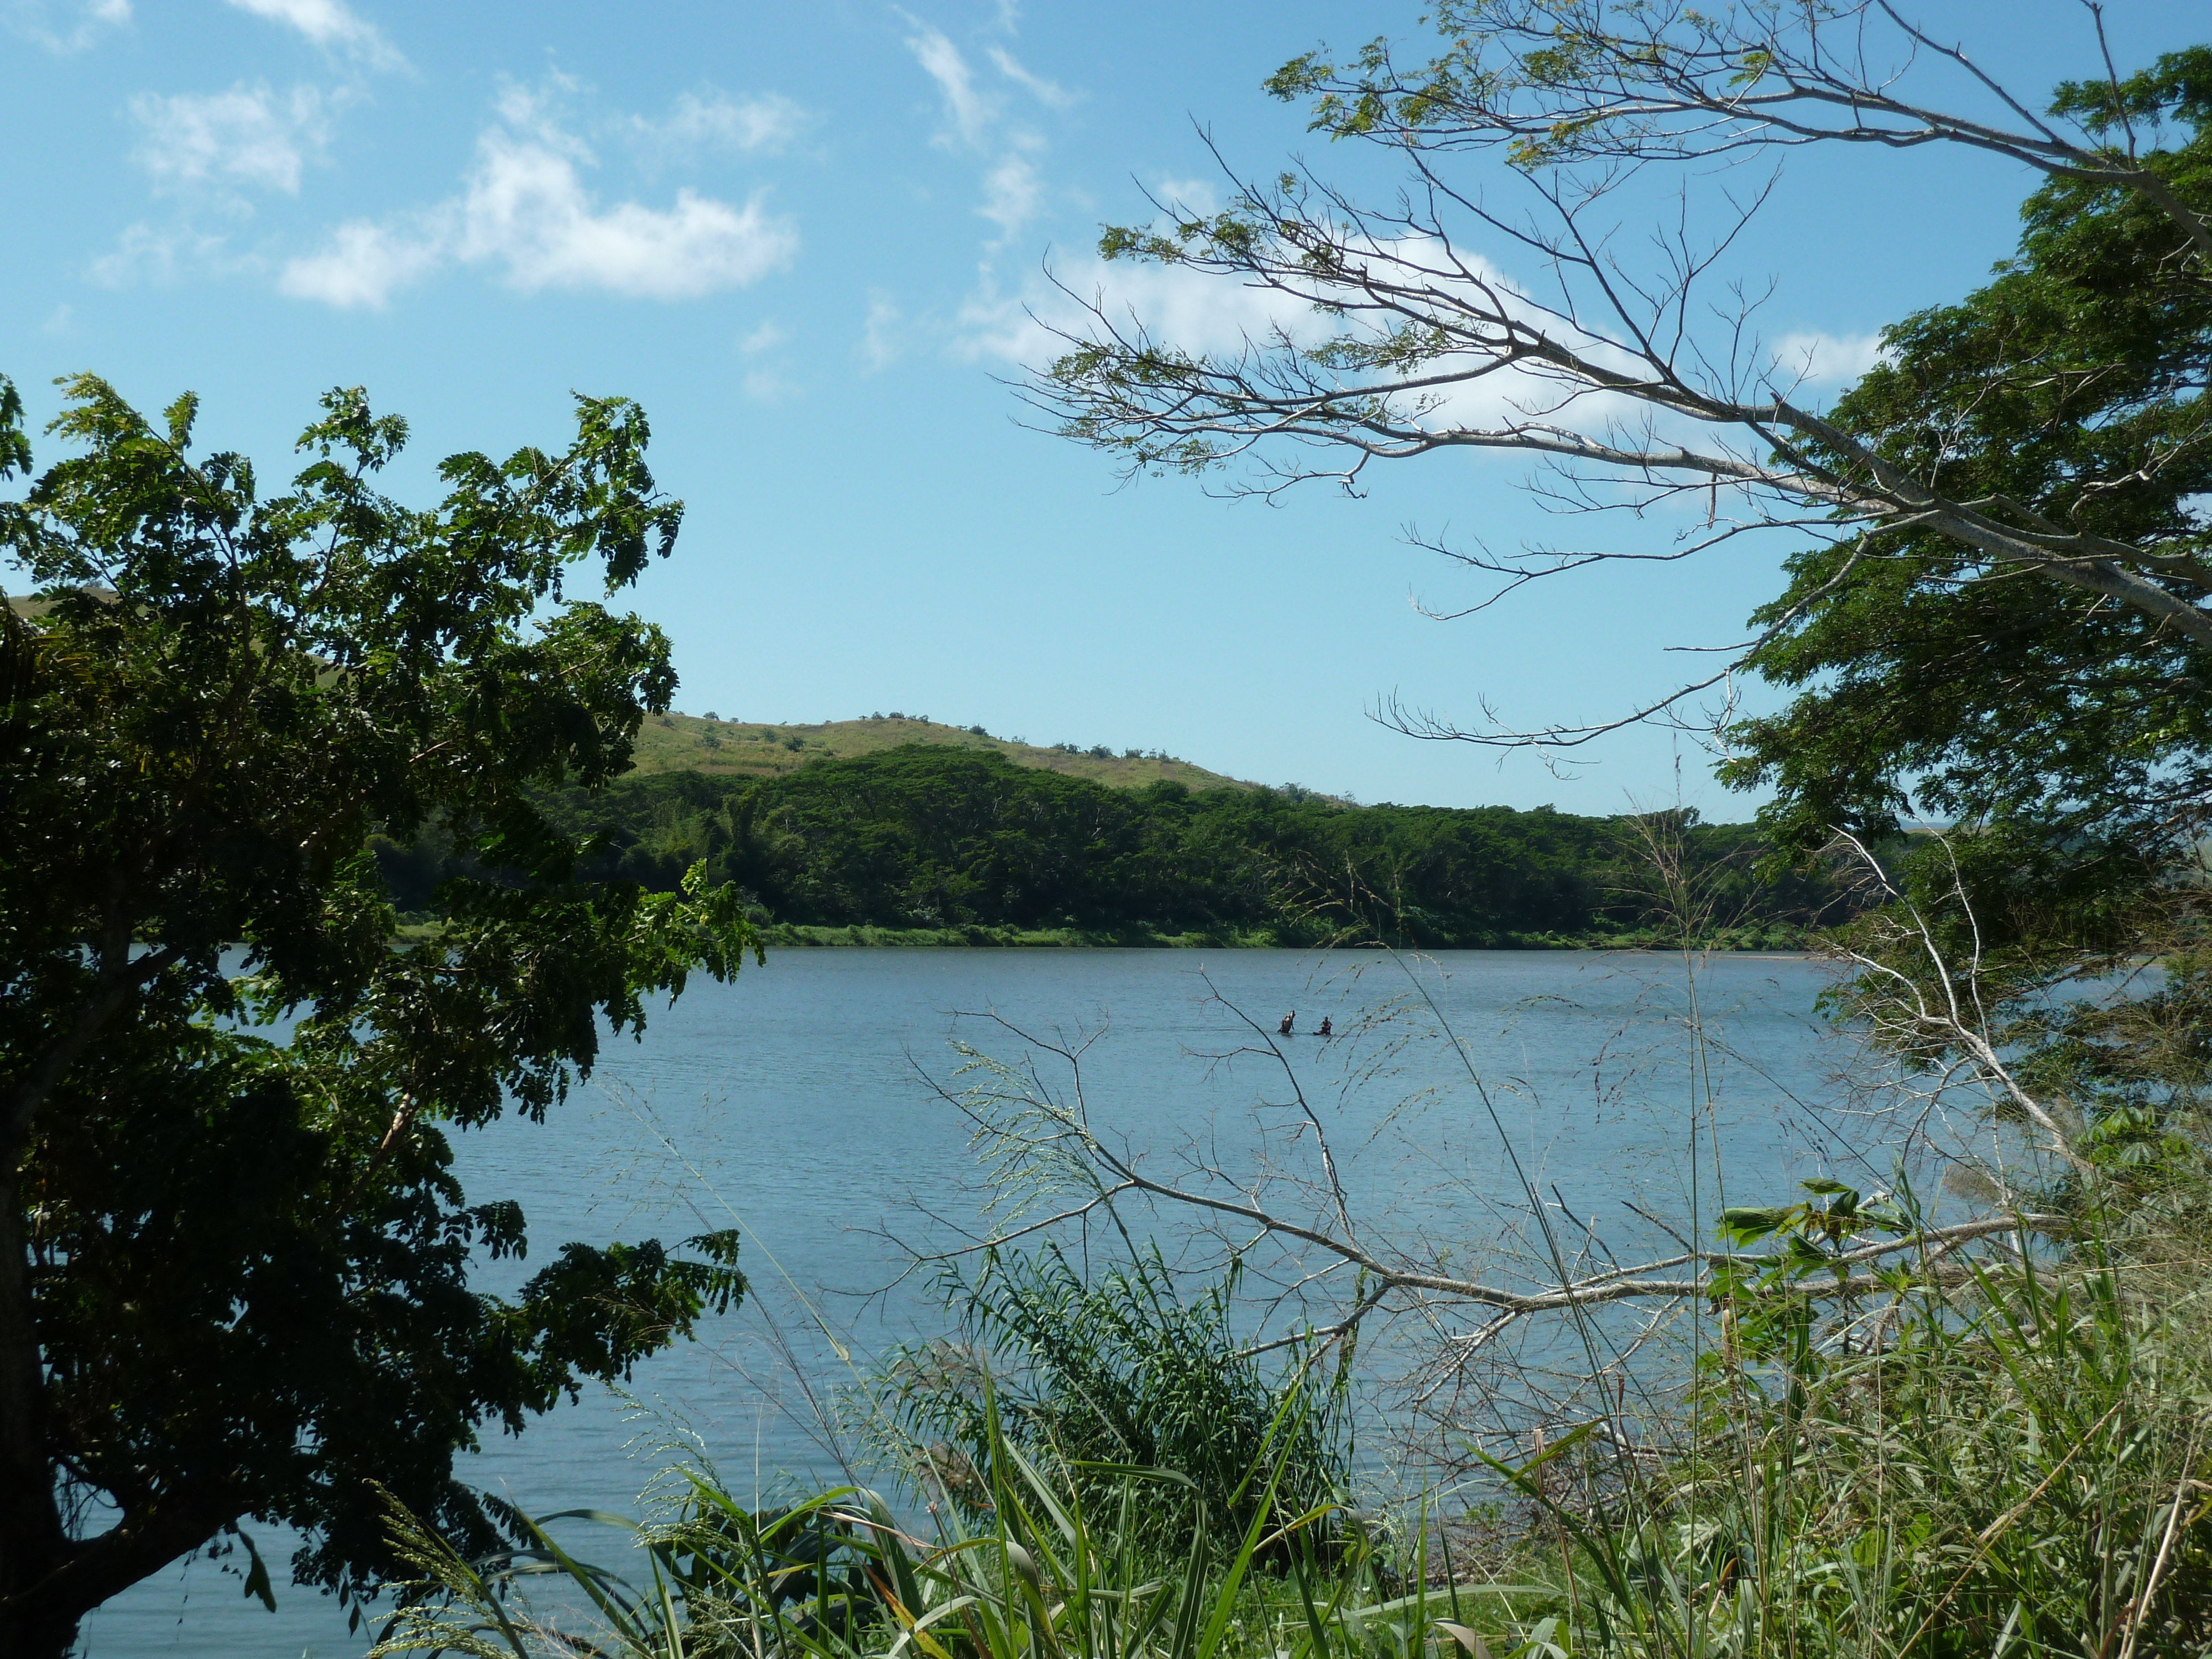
<point>949,844</point>
<point>754,749</point>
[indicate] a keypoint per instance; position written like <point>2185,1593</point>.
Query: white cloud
<point>883,339</point>
<point>763,123</point>
<point>1011,190</point>
<point>766,338</point>
<point>145,253</point>
<point>332,25</point>
<point>1201,313</point>
<point>31,19</point>
<point>1189,194</point>
<point>248,135</point>
<point>967,109</point>
<point>58,320</point>
<point>766,386</point>
<point>1049,93</point>
<point>1828,358</point>
<point>524,208</point>
<point>1206,314</point>
<point>1184,309</point>
<point>364,264</point>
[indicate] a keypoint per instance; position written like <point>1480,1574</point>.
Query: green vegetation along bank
<point>938,845</point>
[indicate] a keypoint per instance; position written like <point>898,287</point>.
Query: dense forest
<point>964,843</point>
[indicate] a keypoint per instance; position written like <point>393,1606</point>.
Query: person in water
<point>1284,1029</point>
<point>1324,1030</point>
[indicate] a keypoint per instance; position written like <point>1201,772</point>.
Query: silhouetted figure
<point>1284,1029</point>
<point>1324,1030</point>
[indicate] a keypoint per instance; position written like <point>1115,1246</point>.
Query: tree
<point>2070,389</point>
<point>233,1268</point>
<point>1400,318</point>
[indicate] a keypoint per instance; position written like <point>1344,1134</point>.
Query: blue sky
<point>803,238</point>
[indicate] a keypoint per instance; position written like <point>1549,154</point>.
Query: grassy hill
<point>751,748</point>
<point>681,743</point>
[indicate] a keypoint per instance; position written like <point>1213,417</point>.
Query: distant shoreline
<point>803,936</point>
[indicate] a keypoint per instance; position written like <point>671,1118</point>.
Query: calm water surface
<point>798,1104</point>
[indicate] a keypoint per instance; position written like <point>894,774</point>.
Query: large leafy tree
<point>234,1260</point>
<point>2068,391</point>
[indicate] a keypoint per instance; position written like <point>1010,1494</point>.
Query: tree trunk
<point>43,1603</point>
<point>34,1548</point>
<point>33,1633</point>
<point>48,1580</point>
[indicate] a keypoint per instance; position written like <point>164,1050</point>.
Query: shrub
<point>1119,1369</point>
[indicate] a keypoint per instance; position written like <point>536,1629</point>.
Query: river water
<point>805,1103</point>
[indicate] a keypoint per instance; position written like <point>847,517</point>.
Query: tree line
<point>936,838</point>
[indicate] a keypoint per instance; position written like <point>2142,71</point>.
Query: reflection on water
<point>799,1101</point>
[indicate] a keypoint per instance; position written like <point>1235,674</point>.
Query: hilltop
<point>756,749</point>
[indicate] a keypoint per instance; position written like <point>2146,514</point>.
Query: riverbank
<point>1768,938</point>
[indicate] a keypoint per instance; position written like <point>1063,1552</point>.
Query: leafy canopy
<point>233,1261</point>
<point>2071,387</point>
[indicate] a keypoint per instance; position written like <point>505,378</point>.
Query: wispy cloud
<point>1013,182</point>
<point>1049,93</point>
<point>763,123</point>
<point>333,26</point>
<point>524,209</point>
<point>1187,310</point>
<point>1828,358</point>
<point>883,336</point>
<point>1196,195</point>
<point>766,382</point>
<point>1011,190</point>
<point>155,253</point>
<point>967,110</point>
<point>769,385</point>
<point>36,21</point>
<point>246,136</point>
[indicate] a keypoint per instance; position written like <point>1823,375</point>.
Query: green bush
<point>1116,1370</point>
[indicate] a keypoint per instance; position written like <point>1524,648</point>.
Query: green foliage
<point>1119,1368</point>
<point>2016,1466</point>
<point>2071,388</point>
<point>1048,1568</point>
<point>234,1271</point>
<point>2013,1461</point>
<point>937,838</point>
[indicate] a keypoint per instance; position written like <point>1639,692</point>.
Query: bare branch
<point>1392,337</point>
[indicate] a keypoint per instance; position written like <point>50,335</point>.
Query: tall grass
<point>1051,1564</point>
<point>2012,1465</point>
<point>1122,1367</point>
<point>2003,1449</point>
